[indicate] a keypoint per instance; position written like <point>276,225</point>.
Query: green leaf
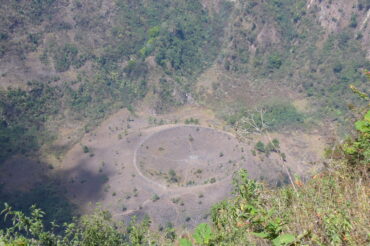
<point>362,126</point>
<point>185,242</point>
<point>203,234</point>
<point>350,150</point>
<point>284,239</point>
<point>261,234</point>
<point>367,116</point>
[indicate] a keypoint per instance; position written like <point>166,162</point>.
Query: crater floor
<point>188,156</point>
<point>170,172</point>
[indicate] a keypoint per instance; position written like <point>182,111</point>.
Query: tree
<point>276,143</point>
<point>85,149</point>
<point>155,198</point>
<point>274,61</point>
<point>173,176</point>
<point>260,147</point>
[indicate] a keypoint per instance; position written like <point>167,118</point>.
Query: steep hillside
<point>264,84</point>
<point>97,57</point>
<point>293,50</point>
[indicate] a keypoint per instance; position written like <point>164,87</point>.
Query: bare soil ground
<point>152,165</point>
<point>130,160</point>
<point>194,154</point>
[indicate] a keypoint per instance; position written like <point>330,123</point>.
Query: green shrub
<point>353,23</point>
<point>155,198</point>
<point>276,143</point>
<point>191,121</point>
<point>260,147</point>
<point>274,62</point>
<point>85,149</point>
<point>64,57</point>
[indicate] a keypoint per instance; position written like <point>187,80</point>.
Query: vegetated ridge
<point>65,66</point>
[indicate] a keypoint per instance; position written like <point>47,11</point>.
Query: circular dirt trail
<point>186,156</point>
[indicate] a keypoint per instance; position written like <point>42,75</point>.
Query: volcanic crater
<point>171,172</point>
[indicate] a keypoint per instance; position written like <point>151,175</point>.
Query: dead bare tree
<point>251,124</point>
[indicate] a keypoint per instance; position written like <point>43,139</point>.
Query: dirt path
<point>165,193</point>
